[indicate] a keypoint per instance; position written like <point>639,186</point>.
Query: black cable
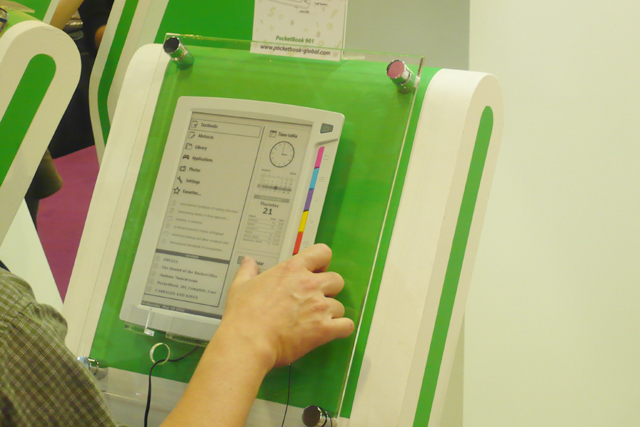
<point>326,416</point>
<point>286,408</point>
<point>146,411</point>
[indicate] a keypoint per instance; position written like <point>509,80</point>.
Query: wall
<point>553,320</point>
<point>435,29</point>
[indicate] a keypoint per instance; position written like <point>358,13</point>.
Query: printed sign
<point>299,28</point>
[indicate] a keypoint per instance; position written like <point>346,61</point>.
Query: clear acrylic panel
<point>358,213</point>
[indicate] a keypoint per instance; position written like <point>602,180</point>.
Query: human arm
<point>41,382</point>
<point>270,320</point>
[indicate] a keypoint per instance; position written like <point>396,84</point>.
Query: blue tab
<point>314,178</point>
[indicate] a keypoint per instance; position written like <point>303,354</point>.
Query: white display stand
<point>412,283</point>
<point>18,45</point>
<point>420,248</point>
<point>143,29</point>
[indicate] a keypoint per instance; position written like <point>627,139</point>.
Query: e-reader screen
<point>232,183</point>
<point>203,228</point>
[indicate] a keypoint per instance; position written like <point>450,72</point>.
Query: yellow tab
<point>303,222</point>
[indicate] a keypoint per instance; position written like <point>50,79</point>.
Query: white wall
<point>553,318</point>
<point>435,29</point>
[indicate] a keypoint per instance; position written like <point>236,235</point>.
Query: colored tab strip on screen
<point>303,221</point>
<point>319,158</point>
<point>307,205</point>
<point>298,241</point>
<point>314,178</point>
<point>309,197</point>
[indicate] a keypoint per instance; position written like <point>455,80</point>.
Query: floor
<point>61,217</point>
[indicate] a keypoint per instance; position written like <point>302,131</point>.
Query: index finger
<point>315,258</point>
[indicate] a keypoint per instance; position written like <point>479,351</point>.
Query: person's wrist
<point>250,347</point>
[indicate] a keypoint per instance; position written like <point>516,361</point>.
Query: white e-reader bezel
<point>319,156</point>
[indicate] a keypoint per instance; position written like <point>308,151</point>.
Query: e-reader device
<point>238,178</point>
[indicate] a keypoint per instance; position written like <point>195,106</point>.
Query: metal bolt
<point>402,76</point>
<point>315,416</point>
<point>178,53</point>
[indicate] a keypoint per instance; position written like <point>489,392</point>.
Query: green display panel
<point>358,214</point>
<point>231,19</point>
<point>209,19</point>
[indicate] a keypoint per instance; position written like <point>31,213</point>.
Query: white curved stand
<point>107,212</point>
<point>143,30</point>
<point>414,274</point>
<point>18,45</point>
<point>420,249</point>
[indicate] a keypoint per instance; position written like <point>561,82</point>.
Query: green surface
<point>223,19</point>
<point>367,315</point>
<point>454,268</point>
<point>25,102</point>
<point>355,207</point>
<point>40,7</point>
<point>16,17</point>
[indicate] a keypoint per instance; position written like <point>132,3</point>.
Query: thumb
<point>247,271</point>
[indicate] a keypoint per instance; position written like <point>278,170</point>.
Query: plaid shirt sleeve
<point>41,383</point>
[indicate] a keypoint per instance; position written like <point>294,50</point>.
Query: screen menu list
<point>231,197</point>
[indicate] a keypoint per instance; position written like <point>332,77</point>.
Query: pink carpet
<point>61,217</point>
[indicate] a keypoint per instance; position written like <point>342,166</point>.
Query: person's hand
<point>289,309</point>
<point>269,320</point>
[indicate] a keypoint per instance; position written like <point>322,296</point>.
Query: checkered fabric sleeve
<point>41,382</point>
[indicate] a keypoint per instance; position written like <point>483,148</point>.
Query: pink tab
<point>319,158</point>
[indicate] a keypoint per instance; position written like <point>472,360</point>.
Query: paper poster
<point>311,25</point>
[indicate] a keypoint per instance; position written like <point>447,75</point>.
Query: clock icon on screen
<point>282,154</point>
